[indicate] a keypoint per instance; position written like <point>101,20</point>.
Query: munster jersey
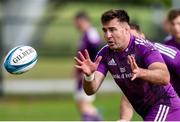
<point>141,94</point>
<point>170,40</point>
<point>171,56</point>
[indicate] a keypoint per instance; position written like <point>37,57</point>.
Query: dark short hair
<point>135,26</point>
<point>82,14</point>
<point>120,14</point>
<point>173,14</point>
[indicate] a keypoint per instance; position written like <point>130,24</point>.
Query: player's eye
<point>112,29</point>
<point>104,30</point>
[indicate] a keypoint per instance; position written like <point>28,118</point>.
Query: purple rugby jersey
<point>91,41</point>
<point>142,94</point>
<point>170,40</point>
<point>171,56</point>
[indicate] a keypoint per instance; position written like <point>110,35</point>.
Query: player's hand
<point>135,69</point>
<point>85,64</point>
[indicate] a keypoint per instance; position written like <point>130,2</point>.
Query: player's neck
<point>126,44</point>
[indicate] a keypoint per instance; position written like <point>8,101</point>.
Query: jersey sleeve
<point>102,67</point>
<point>149,53</point>
<point>153,56</point>
<point>171,56</point>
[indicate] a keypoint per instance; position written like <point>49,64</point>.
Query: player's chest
<point>119,67</point>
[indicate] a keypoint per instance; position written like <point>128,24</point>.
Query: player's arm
<point>92,85</point>
<point>156,73</point>
<point>126,109</point>
<point>93,78</point>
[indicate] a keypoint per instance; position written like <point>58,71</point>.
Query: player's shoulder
<point>168,52</point>
<point>139,42</point>
<point>166,48</point>
<point>160,45</point>
<point>103,50</point>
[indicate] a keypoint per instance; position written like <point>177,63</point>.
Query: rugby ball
<point>20,59</point>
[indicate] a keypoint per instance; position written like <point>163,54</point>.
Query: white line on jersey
<point>165,50</point>
<point>162,113</point>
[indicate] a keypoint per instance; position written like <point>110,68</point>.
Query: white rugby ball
<point>20,59</point>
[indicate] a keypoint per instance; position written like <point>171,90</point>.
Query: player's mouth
<point>110,43</point>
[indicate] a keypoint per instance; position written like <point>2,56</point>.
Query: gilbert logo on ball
<point>20,59</point>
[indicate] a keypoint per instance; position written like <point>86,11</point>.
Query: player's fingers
<point>98,60</point>
<point>134,62</point>
<point>86,54</point>
<point>77,66</point>
<point>134,77</point>
<point>81,56</point>
<point>130,61</point>
<point>77,60</point>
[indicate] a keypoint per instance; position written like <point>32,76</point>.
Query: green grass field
<point>53,107</point>
<point>56,108</point>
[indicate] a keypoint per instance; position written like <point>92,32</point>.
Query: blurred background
<point>46,91</point>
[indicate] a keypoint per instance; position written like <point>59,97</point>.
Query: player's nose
<point>108,35</point>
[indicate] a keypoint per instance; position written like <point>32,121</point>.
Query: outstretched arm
<point>156,73</point>
<point>93,78</point>
<point>91,87</point>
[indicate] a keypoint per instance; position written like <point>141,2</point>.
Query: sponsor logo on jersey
<point>112,62</point>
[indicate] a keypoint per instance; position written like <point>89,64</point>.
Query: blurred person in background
<point>91,41</point>
<point>166,25</point>
<point>174,28</point>
<point>171,56</point>
<point>136,66</point>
